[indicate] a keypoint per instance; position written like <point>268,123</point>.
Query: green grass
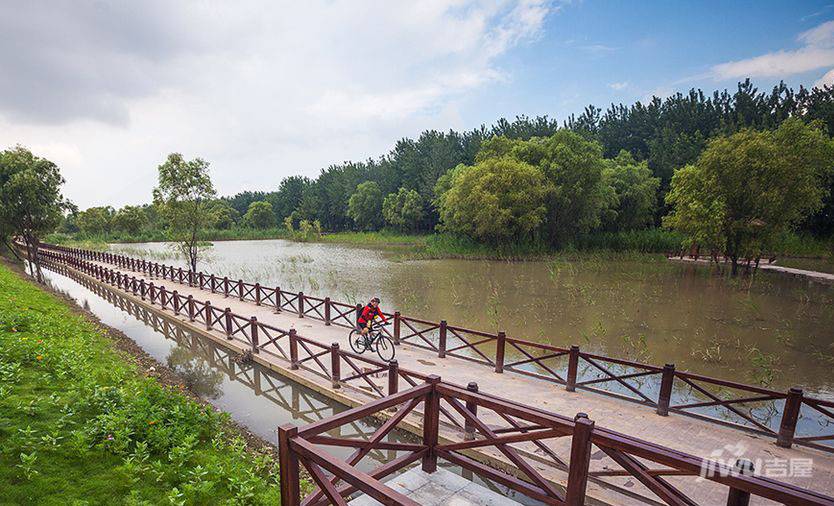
<point>80,425</point>
<point>649,242</point>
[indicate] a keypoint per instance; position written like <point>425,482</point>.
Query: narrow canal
<point>255,397</point>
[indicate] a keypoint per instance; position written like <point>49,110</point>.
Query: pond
<point>770,329</point>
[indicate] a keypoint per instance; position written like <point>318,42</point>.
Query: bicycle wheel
<point>385,348</point>
<point>357,341</point>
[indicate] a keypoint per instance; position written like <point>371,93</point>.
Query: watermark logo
<point>731,461</point>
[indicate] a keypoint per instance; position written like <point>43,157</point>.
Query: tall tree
<point>497,200</point>
<point>403,210</point>
<point>96,221</point>
<point>130,219</point>
<point>184,195</point>
<point>748,188</point>
<point>365,206</point>
<point>31,203</point>
<point>260,215</point>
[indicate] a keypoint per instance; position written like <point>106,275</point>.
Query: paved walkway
<point>681,433</point>
<point>440,488</point>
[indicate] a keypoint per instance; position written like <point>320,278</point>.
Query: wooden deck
<point>820,277</point>
<point>685,434</point>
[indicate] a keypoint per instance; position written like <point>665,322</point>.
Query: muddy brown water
<point>772,329</point>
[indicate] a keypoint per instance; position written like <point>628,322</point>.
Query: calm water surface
<point>774,329</point>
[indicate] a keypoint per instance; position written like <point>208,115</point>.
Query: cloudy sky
<point>268,89</point>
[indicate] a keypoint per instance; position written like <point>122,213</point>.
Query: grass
<point>649,242</point>
<point>80,425</point>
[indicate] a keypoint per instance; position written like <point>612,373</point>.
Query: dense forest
<point>625,158</point>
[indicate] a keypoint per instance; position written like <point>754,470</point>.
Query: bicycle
<point>374,340</point>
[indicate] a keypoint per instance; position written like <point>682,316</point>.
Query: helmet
<point>375,299</point>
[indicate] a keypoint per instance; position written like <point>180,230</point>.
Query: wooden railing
<point>615,456</point>
<point>665,389</point>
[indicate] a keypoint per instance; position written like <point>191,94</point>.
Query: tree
<point>260,215</point>
<point>31,203</point>
<point>635,190</point>
<point>224,216</point>
<point>748,188</point>
<point>288,197</point>
<point>403,210</point>
<point>96,221</point>
<point>130,219</point>
<point>497,200</point>
<point>573,166</point>
<point>184,197</point>
<point>365,206</point>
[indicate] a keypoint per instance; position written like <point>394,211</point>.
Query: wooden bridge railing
<point>789,417</point>
<point>624,457</point>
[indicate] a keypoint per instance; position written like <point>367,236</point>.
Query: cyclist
<point>366,317</point>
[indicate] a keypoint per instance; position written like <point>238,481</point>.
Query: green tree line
<point>534,179</point>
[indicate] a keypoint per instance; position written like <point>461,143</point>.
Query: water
<point>774,330</point>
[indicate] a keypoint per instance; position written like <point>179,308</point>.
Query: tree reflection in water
<point>197,374</point>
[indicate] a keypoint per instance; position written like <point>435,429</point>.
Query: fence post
<point>211,283</point>
<point>191,308</point>
<point>208,314</point>
<point>228,315</point>
<point>666,382</point>
<point>335,365</point>
<point>790,415</point>
<point>201,280</point>
<point>301,304</point>
<point>277,299</point>
<point>736,497</point>
<point>176,297</point>
<point>431,418</point>
<point>257,294</point>
<point>393,377</point>
<point>397,323</point>
<point>468,428</point>
<point>441,348</point>
<point>288,466</point>
<point>163,297</point>
<point>573,366</point>
<point>253,331</point>
<point>293,350</point>
<point>225,286</point>
<point>358,313</point>
<point>142,288</point>
<point>151,292</point>
<point>500,345</point>
<point>327,310</point>
<point>580,459</point>
<point>240,289</point>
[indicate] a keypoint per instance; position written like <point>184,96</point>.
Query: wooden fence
<point>666,390</point>
<point>648,464</point>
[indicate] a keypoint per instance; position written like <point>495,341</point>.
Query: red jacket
<point>369,312</point>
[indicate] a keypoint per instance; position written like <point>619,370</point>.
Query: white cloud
<point>827,79</point>
<point>618,86</point>
<point>261,89</point>
<point>817,51</point>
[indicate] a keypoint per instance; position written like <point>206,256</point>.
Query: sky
<point>268,89</point>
